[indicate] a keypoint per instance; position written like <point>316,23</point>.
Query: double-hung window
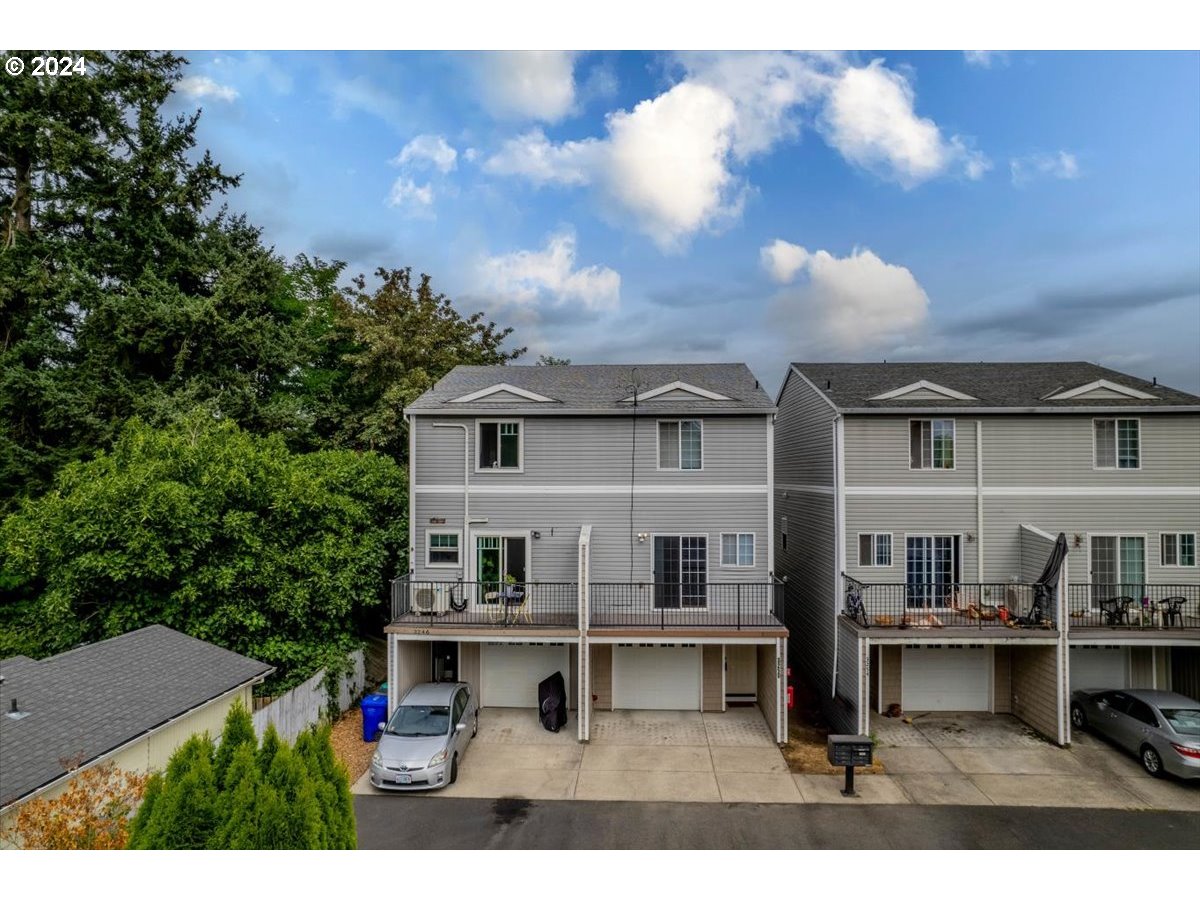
<point>1178,549</point>
<point>499,444</point>
<point>874,550</point>
<point>931,444</point>
<point>441,548</point>
<point>1117,443</point>
<point>680,444</point>
<point>737,550</point>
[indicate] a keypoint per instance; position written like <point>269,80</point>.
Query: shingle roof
<point>93,699</point>
<point>593,389</point>
<point>849,386</point>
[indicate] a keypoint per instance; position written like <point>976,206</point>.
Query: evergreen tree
<point>184,814</point>
<point>269,747</point>
<point>238,732</point>
<point>240,806</point>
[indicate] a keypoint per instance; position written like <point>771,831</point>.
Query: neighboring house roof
<point>1012,387</point>
<point>86,702</point>
<point>709,388</point>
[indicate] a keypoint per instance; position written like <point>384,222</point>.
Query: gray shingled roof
<point>93,699</point>
<point>994,385</point>
<point>595,389</point>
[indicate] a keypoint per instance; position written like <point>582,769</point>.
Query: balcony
<point>1169,607</point>
<point>949,605</point>
<point>657,606</point>
<point>437,605</point>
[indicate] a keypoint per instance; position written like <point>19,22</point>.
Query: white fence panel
<point>304,704</point>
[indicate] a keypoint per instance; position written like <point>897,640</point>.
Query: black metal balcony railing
<point>480,603</point>
<point>1134,605</point>
<point>699,605</point>
<point>949,605</point>
<point>434,604</point>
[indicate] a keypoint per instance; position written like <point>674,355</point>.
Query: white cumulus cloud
<point>1061,165</point>
<point>870,119</point>
<point>428,150</point>
<point>534,157</point>
<point>985,59</point>
<point>845,304</point>
<point>407,194</point>
<point>527,84</point>
<point>203,86</point>
<point>528,277</point>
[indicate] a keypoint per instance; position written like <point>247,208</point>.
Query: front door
<point>931,570</point>
<point>680,571</point>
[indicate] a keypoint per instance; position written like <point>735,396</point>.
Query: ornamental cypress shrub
<point>238,731</point>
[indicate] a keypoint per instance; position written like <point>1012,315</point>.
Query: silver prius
<point>421,744</point>
<point>1162,728</point>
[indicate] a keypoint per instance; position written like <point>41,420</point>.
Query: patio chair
<point>1171,610</point>
<point>516,604</point>
<point>1116,610</point>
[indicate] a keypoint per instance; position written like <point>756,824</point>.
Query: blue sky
<point>758,207</point>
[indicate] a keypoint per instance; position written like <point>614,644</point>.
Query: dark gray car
<point>421,744</point>
<point>1160,727</point>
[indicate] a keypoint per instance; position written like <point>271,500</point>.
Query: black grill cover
<point>552,702</point>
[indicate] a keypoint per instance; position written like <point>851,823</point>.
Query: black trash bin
<point>552,702</point>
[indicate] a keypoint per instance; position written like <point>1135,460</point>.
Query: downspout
<point>839,523</point>
<point>979,502</point>
<point>466,490</point>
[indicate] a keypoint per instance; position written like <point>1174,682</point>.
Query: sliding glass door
<point>932,568</point>
<point>680,571</point>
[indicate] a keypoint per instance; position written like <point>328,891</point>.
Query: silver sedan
<point>421,744</point>
<point>1162,728</point>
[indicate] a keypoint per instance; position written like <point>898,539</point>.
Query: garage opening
<point>511,672</point>
<point>656,676</point>
<point>941,678</point>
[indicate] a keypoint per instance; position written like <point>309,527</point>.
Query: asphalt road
<point>411,823</point>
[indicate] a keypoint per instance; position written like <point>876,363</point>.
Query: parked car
<point>421,744</point>
<point>1162,728</point>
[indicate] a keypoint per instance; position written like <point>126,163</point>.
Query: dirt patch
<point>805,750</point>
<point>348,745</point>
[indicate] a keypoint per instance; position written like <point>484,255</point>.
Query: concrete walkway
<point>730,757</point>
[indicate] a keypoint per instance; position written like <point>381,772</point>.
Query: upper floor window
<point>499,444</point>
<point>1117,443</point>
<point>1178,549</point>
<point>875,549</point>
<point>931,444</point>
<point>680,444</point>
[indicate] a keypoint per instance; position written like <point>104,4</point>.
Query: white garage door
<point>1098,667</point>
<point>944,678</point>
<point>511,672</point>
<point>648,676</point>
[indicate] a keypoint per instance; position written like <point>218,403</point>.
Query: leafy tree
<point>121,292</point>
<point>212,531</point>
<point>547,360</point>
<point>93,813</point>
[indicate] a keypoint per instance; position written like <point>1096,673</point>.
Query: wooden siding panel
<point>890,676</point>
<point>601,656</point>
<point>469,664</point>
<point>1034,688</point>
<point>768,686</point>
<point>1002,680</point>
<point>712,691</point>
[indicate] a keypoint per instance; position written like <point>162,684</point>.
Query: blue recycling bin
<point>374,712</point>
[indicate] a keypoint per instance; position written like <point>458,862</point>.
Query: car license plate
<point>403,779</point>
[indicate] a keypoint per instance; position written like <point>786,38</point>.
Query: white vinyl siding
<point>681,444</point>
<point>1178,550</point>
<point>737,550</point>
<point>931,444</point>
<point>874,550</point>
<point>442,549</point>
<point>1117,443</point>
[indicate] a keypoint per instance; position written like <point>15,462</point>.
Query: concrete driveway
<point>645,755</point>
<point>983,759</point>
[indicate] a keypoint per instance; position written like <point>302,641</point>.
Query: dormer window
<point>499,442</point>
<point>1117,443</point>
<point>931,444</point>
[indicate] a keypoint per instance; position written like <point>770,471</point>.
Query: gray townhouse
<point>918,504</point>
<point>612,523</point>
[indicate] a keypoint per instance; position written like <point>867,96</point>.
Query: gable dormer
<point>503,393</point>
<point>923,390</point>
<point>677,390</point>
<point>1102,389</point>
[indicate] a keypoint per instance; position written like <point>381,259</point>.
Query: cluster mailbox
<point>849,750</point>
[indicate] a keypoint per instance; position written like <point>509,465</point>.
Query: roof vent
<point>15,713</point>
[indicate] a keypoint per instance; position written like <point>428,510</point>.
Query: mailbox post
<point>849,750</point>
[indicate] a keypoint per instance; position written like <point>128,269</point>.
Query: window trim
<point>875,550</point>
<point>721,564</point>
<point>429,533</point>
<point>520,423</point>
<point>707,564</point>
<point>658,445</point>
<point>1116,449</point>
<point>908,443</point>
<point>1162,548</point>
<point>1118,535</point>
